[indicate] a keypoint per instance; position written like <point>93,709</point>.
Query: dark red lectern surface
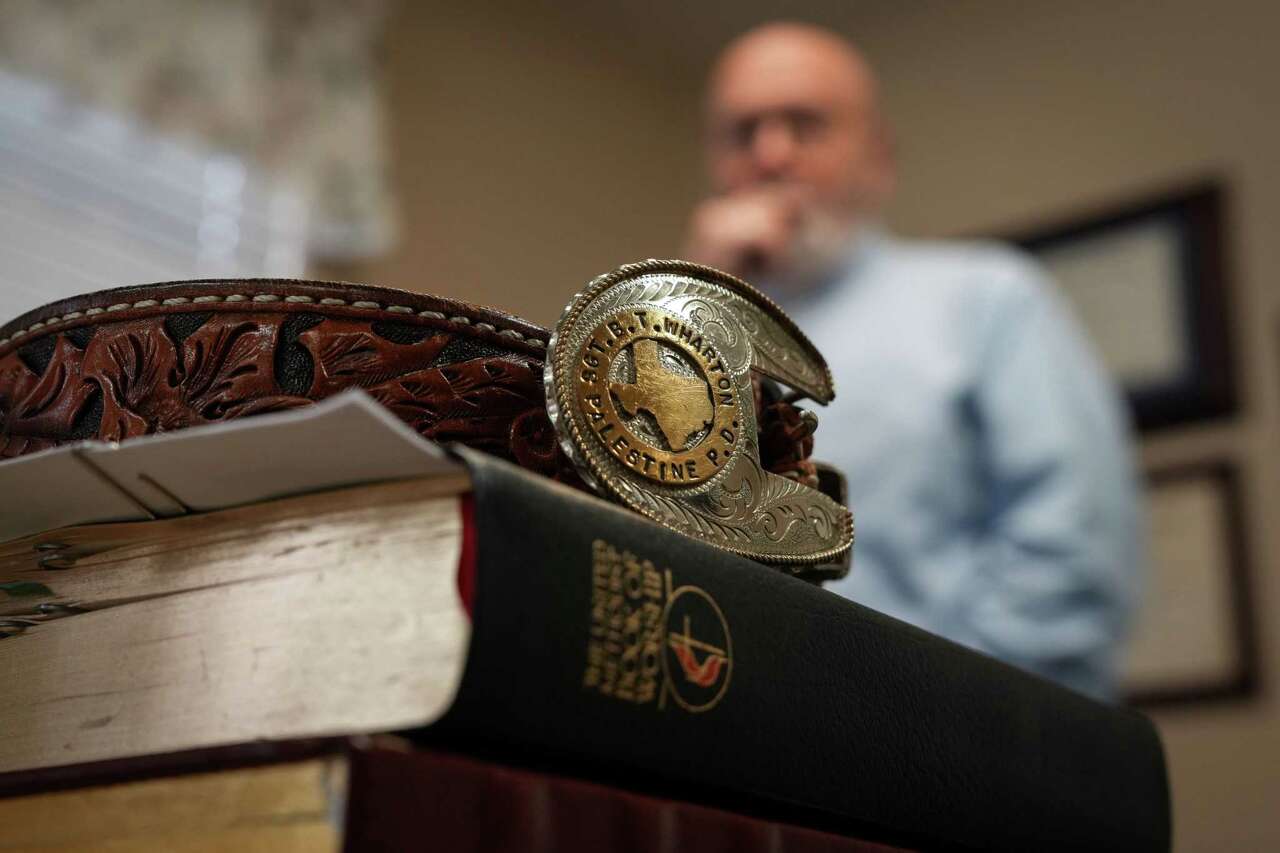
<point>400,798</point>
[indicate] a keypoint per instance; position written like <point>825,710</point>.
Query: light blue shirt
<point>989,469</point>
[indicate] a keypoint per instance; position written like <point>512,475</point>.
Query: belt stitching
<point>265,298</point>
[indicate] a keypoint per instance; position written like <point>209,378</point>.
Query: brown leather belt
<point>137,360</point>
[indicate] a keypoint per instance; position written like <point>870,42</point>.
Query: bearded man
<point>987,456</point>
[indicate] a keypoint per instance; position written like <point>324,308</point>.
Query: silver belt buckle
<point>648,377</point>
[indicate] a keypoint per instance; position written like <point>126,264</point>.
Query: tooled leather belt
<point>132,361</point>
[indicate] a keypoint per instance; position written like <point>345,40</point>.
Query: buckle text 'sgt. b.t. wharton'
<point>649,378</point>
<point>660,387</point>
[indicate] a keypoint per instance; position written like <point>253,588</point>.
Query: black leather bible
<point>604,640</point>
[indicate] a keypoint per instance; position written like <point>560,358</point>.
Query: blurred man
<point>987,459</point>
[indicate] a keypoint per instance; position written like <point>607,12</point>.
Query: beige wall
<point>531,153</point>
<point>534,150</point>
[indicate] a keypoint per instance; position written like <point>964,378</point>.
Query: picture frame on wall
<point>1194,639</point>
<point>1149,280</point>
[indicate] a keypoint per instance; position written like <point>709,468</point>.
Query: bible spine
<point>602,637</point>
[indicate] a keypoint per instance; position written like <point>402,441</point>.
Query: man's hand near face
<point>749,233</point>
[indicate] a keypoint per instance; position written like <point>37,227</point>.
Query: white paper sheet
<point>346,440</point>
